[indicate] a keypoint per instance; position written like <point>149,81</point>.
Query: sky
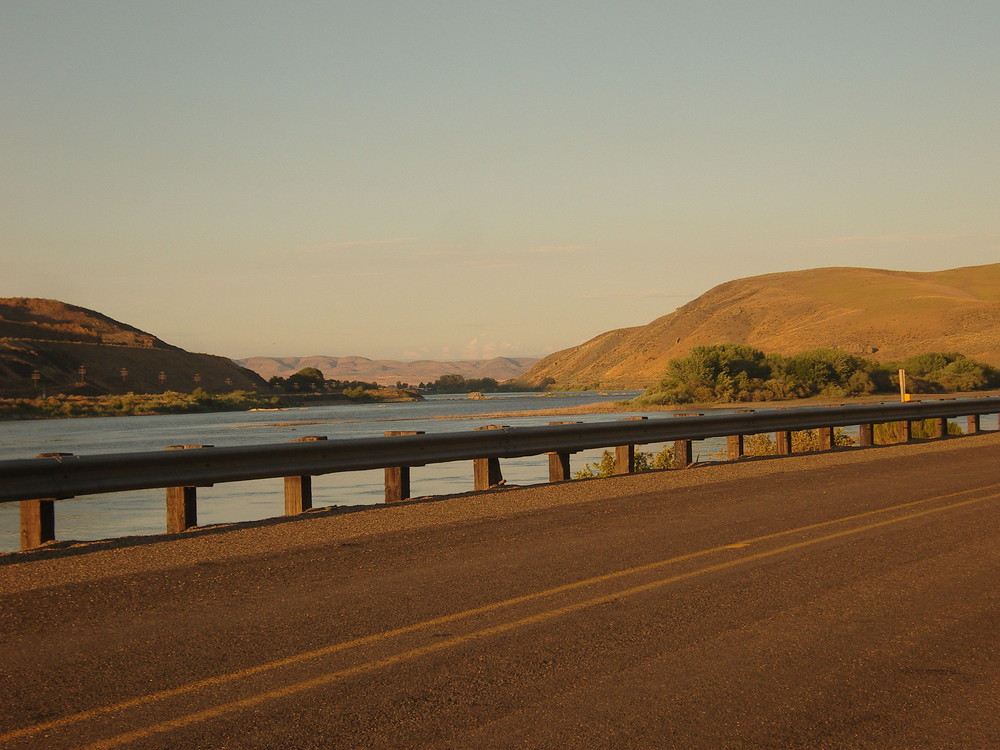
<point>422,179</point>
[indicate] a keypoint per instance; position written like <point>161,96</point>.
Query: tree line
<point>738,372</point>
<point>453,383</point>
<point>311,380</point>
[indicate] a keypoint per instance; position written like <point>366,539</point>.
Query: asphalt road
<point>843,600</point>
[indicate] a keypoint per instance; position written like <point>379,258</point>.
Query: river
<point>143,512</point>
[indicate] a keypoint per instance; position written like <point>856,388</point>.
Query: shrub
<point>890,432</point>
<point>735,372</point>
<point>644,461</point>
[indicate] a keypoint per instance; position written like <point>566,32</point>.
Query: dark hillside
<point>75,350</point>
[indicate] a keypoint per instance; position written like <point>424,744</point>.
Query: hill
<point>390,371</point>
<point>57,340</point>
<point>885,315</point>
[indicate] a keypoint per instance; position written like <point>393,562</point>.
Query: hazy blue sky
<point>462,179</point>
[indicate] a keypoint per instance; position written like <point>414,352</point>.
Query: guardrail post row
<point>298,490</point>
<point>625,454</point>
<point>182,502</point>
<point>38,517</point>
<point>486,471</point>
<point>559,470</point>
<point>397,478</point>
<point>37,484</point>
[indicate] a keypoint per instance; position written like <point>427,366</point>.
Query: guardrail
<point>38,482</point>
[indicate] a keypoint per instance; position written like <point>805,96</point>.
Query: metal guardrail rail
<point>37,482</point>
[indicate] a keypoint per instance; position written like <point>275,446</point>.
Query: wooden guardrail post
<point>298,490</point>
<point>38,522</point>
<point>486,471</point>
<point>940,427</point>
<point>182,502</point>
<point>397,478</point>
<point>734,443</point>
<point>38,517</point>
<point>625,454</point>
<point>624,459</point>
<point>683,455</point>
<point>734,447</point>
<point>683,449</point>
<point>825,435</point>
<point>783,442</point>
<point>559,470</point>
<point>972,424</point>
<point>904,431</point>
<point>866,435</point>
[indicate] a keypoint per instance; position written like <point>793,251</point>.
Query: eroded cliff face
<point>885,315</point>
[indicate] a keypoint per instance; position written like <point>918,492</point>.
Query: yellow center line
<point>325,679</point>
<point>450,618</point>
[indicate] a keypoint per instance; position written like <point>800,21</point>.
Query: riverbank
<point>198,402</point>
<point>628,407</point>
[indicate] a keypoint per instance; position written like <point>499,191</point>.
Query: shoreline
<point>599,407</point>
<point>624,407</point>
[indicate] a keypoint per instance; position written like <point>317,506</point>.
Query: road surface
<point>838,600</point>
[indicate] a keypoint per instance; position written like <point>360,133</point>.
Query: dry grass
<point>853,309</point>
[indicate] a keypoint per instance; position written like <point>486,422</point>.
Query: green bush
<point>735,372</point>
<point>890,432</point>
<point>131,404</point>
<point>644,461</point>
<point>803,441</point>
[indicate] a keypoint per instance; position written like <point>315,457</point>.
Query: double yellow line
<point>440,645</point>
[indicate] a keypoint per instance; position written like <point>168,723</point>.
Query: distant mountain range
<point>76,350</point>
<point>885,315</point>
<point>390,371</point>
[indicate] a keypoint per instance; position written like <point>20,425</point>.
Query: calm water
<point>143,512</point>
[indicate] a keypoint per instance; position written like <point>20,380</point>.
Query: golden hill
<point>54,340</point>
<point>884,315</point>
